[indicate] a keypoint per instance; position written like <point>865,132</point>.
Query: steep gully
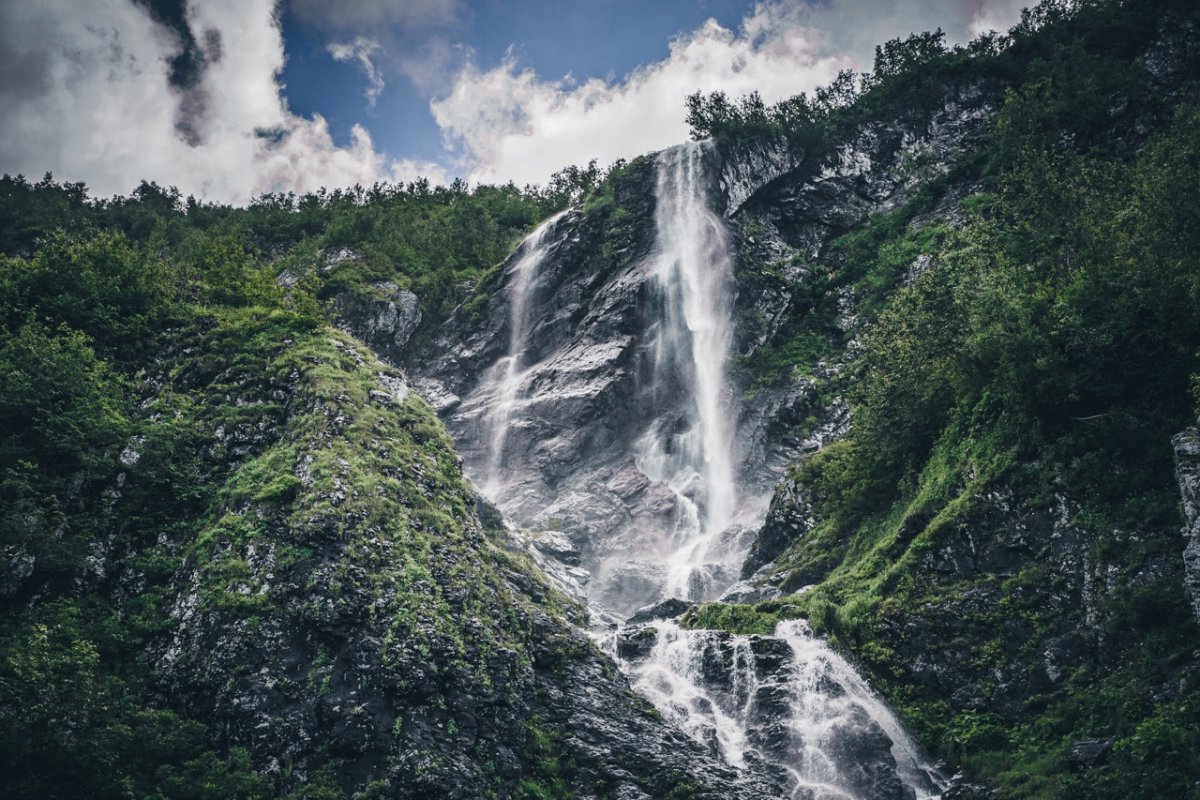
<point>783,706</point>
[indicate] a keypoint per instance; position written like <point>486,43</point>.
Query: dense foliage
<point>1049,349</point>
<point>437,239</point>
<point>914,71</point>
<point>109,489</point>
<point>1042,361</point>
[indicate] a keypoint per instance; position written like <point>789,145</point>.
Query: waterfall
<point>785,706</point>
<point>692,276</point>
<point>784,703</point>
<point>509,372</point>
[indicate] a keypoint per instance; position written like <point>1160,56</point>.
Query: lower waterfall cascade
<point>785,705</point>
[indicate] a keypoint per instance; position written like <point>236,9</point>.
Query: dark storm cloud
<point>187,67</point>
<point>23,73</point>
<point>272,137</point>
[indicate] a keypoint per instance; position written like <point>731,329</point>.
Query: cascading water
<point>510,370</point>
<point>692,276</point>
<point>783,706</point>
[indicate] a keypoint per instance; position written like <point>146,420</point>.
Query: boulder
<point>672,608</point>
<point>1089,753</point>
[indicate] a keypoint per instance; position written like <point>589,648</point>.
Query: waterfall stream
<point>692,275</point>
<point>785,706</point>
<point>784,703</point>
<point>510,370</point>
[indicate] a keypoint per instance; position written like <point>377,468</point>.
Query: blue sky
<point>332,94</point>
<point>603,39</point>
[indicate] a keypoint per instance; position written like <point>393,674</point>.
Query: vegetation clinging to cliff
<point>1020,391</point>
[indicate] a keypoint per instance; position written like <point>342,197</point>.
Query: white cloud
<point>85,93</point>
<point>508,123</point>
<point>996,15</point>
<point>411,37</point>
<point>88,99</point>
<point>362,50</point>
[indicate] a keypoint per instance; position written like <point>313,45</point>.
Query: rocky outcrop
<point>875,170</point>
<point>1187,470</point>
<point>746,167</point>
<point>347,615</point>
<point>382,315</point>
<point>969,561</point>
<point>671,608</point>
<point>1090,753</point>
<point>789,517</point>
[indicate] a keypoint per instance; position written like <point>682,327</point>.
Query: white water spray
<point>512,369</point>
<point>693,277</point>
<point>786,700</point>
<point>783,706</point>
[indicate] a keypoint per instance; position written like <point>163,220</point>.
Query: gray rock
<point>667,609</point>
<point>287,279</point>
<point>748,166</point>
<point>962,789</point>
<point>16,565</point>
<point>1089,753</point>
<point>557,545</point>
<point>789,518</point>
<point>636,643</point>
<point>1187,471</point>
<point>385,318</point>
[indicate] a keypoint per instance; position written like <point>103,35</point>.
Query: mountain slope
<point>240,557</point>
<point>996,537</point>
<point>264,574</point>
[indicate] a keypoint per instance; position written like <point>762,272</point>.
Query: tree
<point>901,55</point>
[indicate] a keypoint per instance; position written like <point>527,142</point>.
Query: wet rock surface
<point>789,517</point>
<point>1187,460</point>
<point>667,609</point>
<point>308,634</point>
<point>783,706</point>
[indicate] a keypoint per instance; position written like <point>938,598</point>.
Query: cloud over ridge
<point>189,93</point>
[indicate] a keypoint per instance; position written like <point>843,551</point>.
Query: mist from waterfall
<point>787,703</point>
<point>510,371</point>
<point>785,706</point>
<point>693,278</point>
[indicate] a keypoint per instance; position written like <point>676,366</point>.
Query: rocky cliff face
<point>346,617</point>
<point>590,333</point>
<point>383,315</point>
